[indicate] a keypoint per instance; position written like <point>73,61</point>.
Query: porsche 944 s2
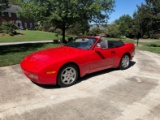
<point>83,55</point>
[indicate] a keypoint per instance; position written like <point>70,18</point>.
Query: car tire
<point>125,62</point>
<point>68,75</point>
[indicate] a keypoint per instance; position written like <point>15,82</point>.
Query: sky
<point>124,7</point>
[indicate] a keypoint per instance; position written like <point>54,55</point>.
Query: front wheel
<point>125,61</point>
<point>68,75</point>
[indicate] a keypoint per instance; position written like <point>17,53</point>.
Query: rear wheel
<point>125,61</point>
<point>68,75</point>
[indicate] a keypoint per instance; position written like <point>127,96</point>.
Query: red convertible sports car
<point>83,55</point>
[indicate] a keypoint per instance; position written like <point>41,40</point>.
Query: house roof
<point>100,26</point>
<point>12,9</point>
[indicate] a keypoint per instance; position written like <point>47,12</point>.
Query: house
<point>100,26</point>
<point>10,14</point>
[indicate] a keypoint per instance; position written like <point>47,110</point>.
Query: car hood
<point>55,54</point>
<point>39,60</point>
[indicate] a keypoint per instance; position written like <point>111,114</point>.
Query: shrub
<point>51,29</point>
<point>9,28</point>
<point>145,36</point>
<point>155,36</point>
<point>41,28</point>
<point>1,29</point>
<point>59,31</point>
<point>95,31</point>
<point>70,39</point>
<point>122,37</point>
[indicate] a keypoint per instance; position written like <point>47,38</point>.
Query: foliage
<point>3,4</point>
<point>125,23</point>
<point>15,2</point>
<point>112,30</point>
<point>51,29</point>
<point>155,36</point>
<point>1,30</point>
<point>80,27</point>
<point>147,18</point>
<point>58,31</point>
<point>63,13</point>
<point>9,28</point>
<point>145,36</point>
<point>95,31</point>
<point>121,27</point>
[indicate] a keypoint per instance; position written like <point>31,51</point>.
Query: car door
<point>102,58</point>
<point>109,56</point>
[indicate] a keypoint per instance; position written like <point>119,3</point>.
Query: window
<point>6,14</point>
<point>25,25</point>
<point>31,25</point>
<point>82,43</point>
<point>99,43</point>
<point>17,16</point>
<point>9,14</point>
<point>2,14</point>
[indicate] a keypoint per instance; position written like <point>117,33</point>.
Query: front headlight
<point>33,76</point>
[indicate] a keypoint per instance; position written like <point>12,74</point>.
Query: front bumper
<point>37,75</point>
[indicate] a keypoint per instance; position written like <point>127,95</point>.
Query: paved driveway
<point>132,94</point>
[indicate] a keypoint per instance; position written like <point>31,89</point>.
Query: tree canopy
<point>145,21</point>
<point>147,18</point>
<point>64,13</point>
<point>3,4</point>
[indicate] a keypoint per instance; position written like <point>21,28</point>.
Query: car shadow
<point>86,77</point>
<point>47,86</point>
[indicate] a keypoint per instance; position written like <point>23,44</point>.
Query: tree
<point>63,13</point>
<point>125,24</point>
<point>79,28</point>
<point>147,18</point>
<point>9,28</point>
<point>15,2</point>
<point>3,4</point>
<point>112,30</point>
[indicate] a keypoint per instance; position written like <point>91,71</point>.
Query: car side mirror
<point>97,49</point>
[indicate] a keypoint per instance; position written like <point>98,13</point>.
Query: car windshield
<point>83,43</point>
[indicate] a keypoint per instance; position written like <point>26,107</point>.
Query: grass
<point>10,55</point>
<point>28,35</point>
<point>150,46</point>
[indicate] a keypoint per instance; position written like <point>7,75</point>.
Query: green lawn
<point>150,46</point>
<point>10,55</point>
<point>28,35</point>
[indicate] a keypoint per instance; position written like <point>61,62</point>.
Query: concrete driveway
<point>132,94</point>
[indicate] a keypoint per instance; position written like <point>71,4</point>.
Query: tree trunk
<point>63,33</point>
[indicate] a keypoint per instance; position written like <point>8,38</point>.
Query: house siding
<point>20,22</point>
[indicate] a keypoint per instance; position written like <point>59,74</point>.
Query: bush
<point>155,36</point>
<point>51,29</point>
<point>145,36</point>
<point>95,31</point>
<point>9,28</point>
<point>122,37</point>
<point>1,29</point>
<point>70,39</point>
<point>59,31</point>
